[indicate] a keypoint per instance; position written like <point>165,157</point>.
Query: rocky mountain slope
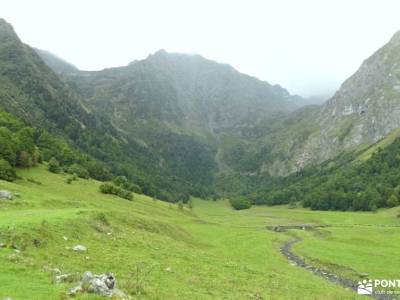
<point>364,110</point>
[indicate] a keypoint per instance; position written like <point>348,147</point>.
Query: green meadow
<point>159,250</point>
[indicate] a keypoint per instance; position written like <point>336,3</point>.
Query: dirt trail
<point>296,260</point>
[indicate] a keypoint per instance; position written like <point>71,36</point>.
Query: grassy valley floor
<point>158,251</point>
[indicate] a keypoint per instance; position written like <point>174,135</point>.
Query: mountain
<point>160,121</point>
<point>30,90</point>
<point>363,111</point>
<point>171,102</point>
<point>173,123</point>
<point>56,63</point>
<point>250,126</point>
<point>185,90</point>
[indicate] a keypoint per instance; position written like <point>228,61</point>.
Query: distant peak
<point>6,30</point>
<point>4,25</point>
<point>396,37</point>
<point>161,52</point>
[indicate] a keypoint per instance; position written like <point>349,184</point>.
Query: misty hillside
<point>34,93</point>
<point>56,63</point>
<point>168,97</point>
<point>186,90</point>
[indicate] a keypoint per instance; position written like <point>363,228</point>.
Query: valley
<point>158,250</point>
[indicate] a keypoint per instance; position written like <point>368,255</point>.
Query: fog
<point>309,47</point>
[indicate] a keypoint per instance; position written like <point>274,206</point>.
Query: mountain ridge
<point>194,118</point>
<point>195,96</point>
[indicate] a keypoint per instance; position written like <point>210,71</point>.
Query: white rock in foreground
<point>79,248</point>
<point>6,195</point>
<point>103,284</point>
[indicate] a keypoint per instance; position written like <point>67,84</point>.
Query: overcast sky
<point>309,46</point>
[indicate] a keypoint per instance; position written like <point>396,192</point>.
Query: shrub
<point>54,166</point>
<point>123,182</point>
<point>7,172</point>
<point>109,188</point>
<point>240,203</point>
<point>24,160</point>
<point>392,201</point>
<point>135,188</point>
<point>183,197</point>
<point>80,171</point>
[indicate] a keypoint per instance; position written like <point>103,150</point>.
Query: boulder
<point>79,248</point>
<point>5,195</point>
<point>103,285</point>
<point>64,278</point>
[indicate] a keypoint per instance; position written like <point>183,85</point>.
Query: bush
<point>393,201</point>
<point>54,166</point>
<point>240,203</point>
<point>7,172</point>
<point>80,171</point>
<point>123,182</point>
<point>183,197</point>
<point>109,188</point>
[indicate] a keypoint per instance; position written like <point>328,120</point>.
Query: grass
<point>387,141</point>
<point>159,251</point>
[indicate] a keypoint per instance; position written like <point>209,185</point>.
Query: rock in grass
<point>8,298</point>
<point>5,195</point>
<point>64,278</point>
<point>103,285</point>
<point>79,248</point>
<point>56,271</point>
